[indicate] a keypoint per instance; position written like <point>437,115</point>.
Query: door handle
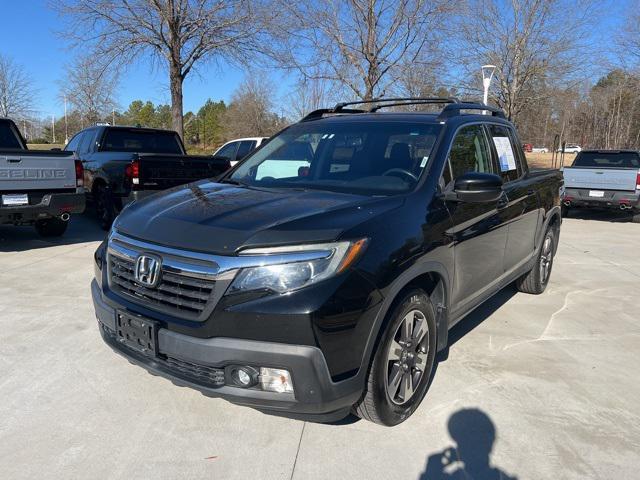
<point>14,160</point>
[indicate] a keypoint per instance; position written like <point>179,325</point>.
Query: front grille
<point>202,374</point>
<point>177,294</point>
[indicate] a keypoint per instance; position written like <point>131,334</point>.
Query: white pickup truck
<point>606,179</point>
<point>41,188</point>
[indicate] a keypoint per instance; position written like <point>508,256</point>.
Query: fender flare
<point>439,299</point>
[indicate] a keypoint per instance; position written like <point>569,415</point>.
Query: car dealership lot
<point>556,374</point>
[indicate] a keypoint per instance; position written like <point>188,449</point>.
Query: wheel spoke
<point>407,386</point>
<point>394,352</point>
<point>407,327</point>
<point>420,330</point>
<point>395,378</point>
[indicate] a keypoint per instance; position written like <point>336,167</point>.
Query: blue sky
<point>30,38</point>
<point>28,35</point>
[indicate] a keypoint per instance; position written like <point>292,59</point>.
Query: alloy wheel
<point>407,357</point>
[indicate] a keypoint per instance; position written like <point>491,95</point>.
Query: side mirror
<point>476,187</point>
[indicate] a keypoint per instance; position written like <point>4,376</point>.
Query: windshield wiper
<point>234,182</point>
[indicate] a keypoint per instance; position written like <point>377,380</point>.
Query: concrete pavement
<point>538,386</point>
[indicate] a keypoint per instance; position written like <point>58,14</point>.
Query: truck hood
<point>221,218</point>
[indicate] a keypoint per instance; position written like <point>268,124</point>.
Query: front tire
<point>403,362</point>
<point>536,280</point>
<point>51,227</point>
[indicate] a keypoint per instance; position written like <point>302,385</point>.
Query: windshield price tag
<point>505,153</point>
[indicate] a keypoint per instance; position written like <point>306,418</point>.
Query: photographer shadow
<point>474,435</point>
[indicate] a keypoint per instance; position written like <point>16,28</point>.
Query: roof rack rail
<point>454,109</point>
<point>394,102</point>
<point>415,101</point>
<point>324,111</point>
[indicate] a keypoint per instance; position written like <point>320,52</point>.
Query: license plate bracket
<point>15,199</point>
<point>137,333</point>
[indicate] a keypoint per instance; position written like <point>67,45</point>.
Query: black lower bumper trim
<point>316,397</point>
<point>51,206</point>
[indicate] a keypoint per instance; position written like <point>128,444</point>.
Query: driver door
<point>478,232</point>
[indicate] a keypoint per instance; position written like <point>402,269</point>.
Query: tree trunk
<point>175,84</point>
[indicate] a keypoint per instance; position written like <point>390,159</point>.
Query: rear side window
<point>73,144</point>
<point>8,138</point>
<point>607,160</point>
<point>228,151</point>
<point>244,149</point>
<point>507,156</point>
<point>143,141</point>
<point>469,153</point>
<point>85,144</point>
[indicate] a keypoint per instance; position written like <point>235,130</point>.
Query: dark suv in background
<point>322,274</point>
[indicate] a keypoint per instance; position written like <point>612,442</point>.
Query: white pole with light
<point>487,76</point>
<point>66,127</point>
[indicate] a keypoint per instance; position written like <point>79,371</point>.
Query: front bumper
<point>51,206</point>
<point>611,199</point>
<point>316,397</point>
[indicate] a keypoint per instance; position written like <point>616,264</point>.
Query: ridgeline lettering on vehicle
<point>323,272</point>
<point>32,173</point>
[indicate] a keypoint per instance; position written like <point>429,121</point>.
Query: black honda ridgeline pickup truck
<point>321,275</point>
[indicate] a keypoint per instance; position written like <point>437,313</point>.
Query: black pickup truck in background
<point>123,164</point>
<point>41,188</point>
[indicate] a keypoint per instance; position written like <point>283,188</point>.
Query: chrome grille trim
<point>186,277</point>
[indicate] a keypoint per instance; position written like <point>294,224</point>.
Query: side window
<point>244,149</point>
<point>73,144</point>
<point>508,160</point>
<point>228,151</point>
<point>469,153</point>
<point>85,143</point>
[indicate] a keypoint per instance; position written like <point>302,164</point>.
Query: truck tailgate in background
<point>21,172</point>
<point>161,172</point>
<point>623,179</point>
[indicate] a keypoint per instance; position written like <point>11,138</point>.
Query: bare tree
<point>89,88</point>
<point>16,89</point>
<point>179,34</point>
<point>250,112</point>
<point>528,40</point>
<point>310,94</point>
<point>360,44</point>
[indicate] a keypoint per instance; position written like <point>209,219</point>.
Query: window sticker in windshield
<point>505,153</point>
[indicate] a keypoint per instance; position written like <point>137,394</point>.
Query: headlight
<point>320,262</point>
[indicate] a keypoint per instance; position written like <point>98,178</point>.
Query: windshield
<point>142,141</point>
<point>607,160</point>
<point>363,157</point>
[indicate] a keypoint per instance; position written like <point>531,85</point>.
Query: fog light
<point>275,380</point>
<point>242,376</point>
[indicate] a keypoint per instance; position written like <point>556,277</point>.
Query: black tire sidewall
<point>389,412</point>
